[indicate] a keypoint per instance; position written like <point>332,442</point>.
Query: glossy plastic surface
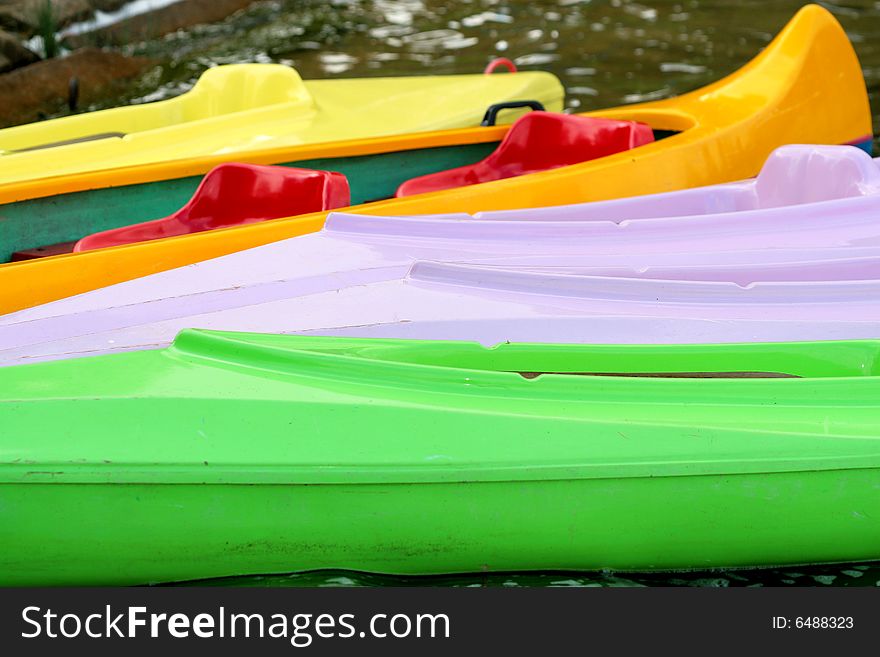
<point>835,237</point>
<point>414,457</point>
<point>237,108</point>
<point>490,305</point>
<point>233,195</point>
<point>67,217</point>
<point>726,131</point>
<point>792,176</point>
<point>539,141</point>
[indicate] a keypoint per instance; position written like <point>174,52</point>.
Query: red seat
<point>536,142</point>
<point>236,194</point>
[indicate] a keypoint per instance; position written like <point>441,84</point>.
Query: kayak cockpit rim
<point>312,393</point>
<point>397,362</point>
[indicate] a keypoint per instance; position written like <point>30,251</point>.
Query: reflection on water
<point>606,52</point>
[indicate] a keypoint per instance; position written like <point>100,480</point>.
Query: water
<point>606,52</point>
<point>841,575</point>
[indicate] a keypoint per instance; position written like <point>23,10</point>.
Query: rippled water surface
<point>842,575</point>
<point>605,52</point>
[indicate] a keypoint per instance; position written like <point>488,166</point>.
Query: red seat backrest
<point>235,194</point>
<point>539,141</point>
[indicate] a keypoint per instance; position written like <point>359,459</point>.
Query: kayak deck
<point>242,107</point>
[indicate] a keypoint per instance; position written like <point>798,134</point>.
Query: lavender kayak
<point>351,250</point>
<point>488,305</point>
<point>792,175</point>
<point>354,250</point>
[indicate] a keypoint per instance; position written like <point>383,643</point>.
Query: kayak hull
<point>135,534</point>
<point>268,454</point>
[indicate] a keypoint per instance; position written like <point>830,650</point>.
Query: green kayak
<point>232,454</point>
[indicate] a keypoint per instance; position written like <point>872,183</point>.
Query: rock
<point>29,93</point>
<point>108,5</point>
<point>23,15</point>
<point>180,15</point>
<point>13,54</point>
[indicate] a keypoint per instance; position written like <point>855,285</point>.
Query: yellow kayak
<point>806,86</point>
<point>238,108</point>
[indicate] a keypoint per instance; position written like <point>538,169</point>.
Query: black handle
<point>73,94</point>
<point>492,113</point>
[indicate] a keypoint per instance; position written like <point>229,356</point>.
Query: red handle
<point>500,61</point>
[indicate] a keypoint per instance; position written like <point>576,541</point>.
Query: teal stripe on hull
<point>66,217</point>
